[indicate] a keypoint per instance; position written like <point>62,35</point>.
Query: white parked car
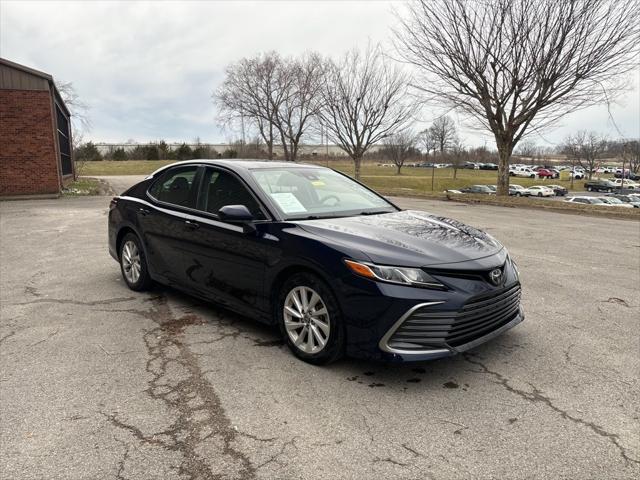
<point>627,183</point>
<point>526,172</point>
<point>577,174</point>
<point>615,202</point>
<point>587,201</point>
<point>541,191</point>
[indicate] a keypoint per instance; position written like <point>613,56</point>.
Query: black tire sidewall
<point>335,344</point>
<point>144,282</point>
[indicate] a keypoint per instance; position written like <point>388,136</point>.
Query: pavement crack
<point>67,301</point>
<point>199,414</point>
<point>537,396</point>
<point>48,337</point>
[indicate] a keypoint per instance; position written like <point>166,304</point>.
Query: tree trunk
<point>398,167</point>
<point>455,172</point>
<point>270,142</point>
<point>504,155</point>
<point>357,161</point>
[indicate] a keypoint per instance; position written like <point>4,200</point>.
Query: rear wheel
<point>133,264</point>
<point>310,319</point>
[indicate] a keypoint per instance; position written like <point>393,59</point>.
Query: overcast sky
<point>148,69</point>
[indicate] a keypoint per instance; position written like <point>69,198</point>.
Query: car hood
<point>407,238</point>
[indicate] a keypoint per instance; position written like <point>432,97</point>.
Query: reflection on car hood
<point>407,238</point>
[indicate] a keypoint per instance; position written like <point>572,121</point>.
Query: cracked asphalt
<point>97,381</point>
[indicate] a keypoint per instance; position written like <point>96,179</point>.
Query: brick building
<point>35,133</point>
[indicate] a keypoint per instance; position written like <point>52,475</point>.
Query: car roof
<point>240,164</point>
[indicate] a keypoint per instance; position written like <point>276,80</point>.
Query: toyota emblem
<point>495,276</point>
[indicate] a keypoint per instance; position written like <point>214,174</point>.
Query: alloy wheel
<point>130,259</point>
<point>306,320</point>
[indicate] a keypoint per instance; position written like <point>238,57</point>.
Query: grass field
<point>412,180</point>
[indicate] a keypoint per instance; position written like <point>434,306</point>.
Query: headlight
<point>515,268</point>
<point>406,276</point>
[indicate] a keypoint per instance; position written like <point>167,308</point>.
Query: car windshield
<point>613,200</point>
<point>595,201</point>
<point>308,192</point>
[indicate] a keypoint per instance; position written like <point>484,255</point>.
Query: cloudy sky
<point>148,69</point>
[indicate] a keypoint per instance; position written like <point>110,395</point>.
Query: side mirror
<point>235,214</point>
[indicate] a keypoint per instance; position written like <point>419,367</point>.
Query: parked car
<point>540,191</point>
<point>625,183</point>
<point>518,191</point>
<point>525,172</point>
<point>615,202</point>
<point>488,166</point>
<point>558,190</point>
<point>471,166</point>
<point>340,269</point>
<point>599,186</point>
<point>426,165</point>
<point>577,174</point>
<point>544,173</point>
<point>479,189</point>
<point>587,200</point>
<point>627,174</point>
<point>493,188</point>
<point>630,199</point>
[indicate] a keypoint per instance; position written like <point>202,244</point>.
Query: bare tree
<point>80,121</point>
<point>399,147</point>
<point>528,149</point>
<point>427,142</point>
<point>631,155</point>
<point>458,156</point>
<point>586,149</point>
<point>444,133</point>
<point>300,82</point>
<point>251,96</point>
<point>518,65</point>
<point>364,101</point>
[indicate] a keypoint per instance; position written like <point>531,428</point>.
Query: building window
<point>64,141</point>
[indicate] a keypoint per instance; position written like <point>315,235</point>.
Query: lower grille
<point>424,329</point>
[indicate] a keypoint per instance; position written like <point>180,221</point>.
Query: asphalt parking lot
<point>97,381</point>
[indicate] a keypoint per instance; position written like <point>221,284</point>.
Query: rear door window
<point>177,187</point>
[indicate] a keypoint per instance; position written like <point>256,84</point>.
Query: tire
<point>589,189</point>
<point>539,194</point>
<point>133,264</point>
<point>304,340</point>
<point>518,194</point>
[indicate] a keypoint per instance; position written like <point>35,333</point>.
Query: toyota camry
<point>337,267</point>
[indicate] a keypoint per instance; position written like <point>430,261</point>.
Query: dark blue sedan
<point>337,267</point>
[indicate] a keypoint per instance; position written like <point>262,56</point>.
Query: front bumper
<point>374,311</point>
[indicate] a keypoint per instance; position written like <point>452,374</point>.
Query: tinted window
<point>176,186</point>
<point>221,188</point>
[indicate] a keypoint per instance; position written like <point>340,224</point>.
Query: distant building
<point>35,133</point>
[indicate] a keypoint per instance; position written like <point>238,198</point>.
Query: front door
<point>221,260</point>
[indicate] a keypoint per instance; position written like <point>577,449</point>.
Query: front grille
<point>425,329</point>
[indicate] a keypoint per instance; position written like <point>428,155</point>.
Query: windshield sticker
<point>318,183</point>
<point>288,202</point>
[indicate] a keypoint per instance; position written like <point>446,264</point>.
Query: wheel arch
<point>281,276</point>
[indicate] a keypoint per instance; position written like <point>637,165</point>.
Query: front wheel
<point>310,319</point>
<point>133,264</point>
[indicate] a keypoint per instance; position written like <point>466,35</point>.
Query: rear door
<point>222,261</point>
<point>165,219</point>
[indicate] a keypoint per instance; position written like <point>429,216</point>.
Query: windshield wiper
<point>370,212</point>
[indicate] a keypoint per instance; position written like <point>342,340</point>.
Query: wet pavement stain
<point>450,385</point>
<point>374,385</point>
<point>414,380</point>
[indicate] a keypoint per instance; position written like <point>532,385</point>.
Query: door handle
<point>144,211</point>
<point>191,225</point>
